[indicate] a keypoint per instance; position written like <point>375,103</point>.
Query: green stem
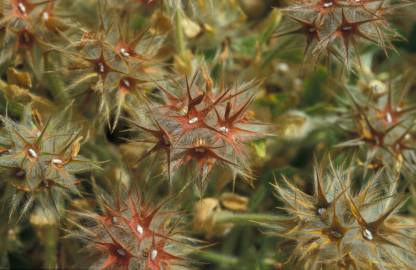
<point>221,259</point>
<point>55,83</point>
<point>225,260</point>
<point>4,228</point>
<point>99,151</point>
<point>51,247</point>
<point>246,218</point>
<point>180,38</point>
<point>2,84</point>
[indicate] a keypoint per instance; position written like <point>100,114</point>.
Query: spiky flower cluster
<point>39,162</point>
<point>134,234</point>
<point>336,27</point>
<point>30,28</point>
<point>338,228</point>
<point>102,64</point>
<point>199,126</point>
<point>380,121</point>
<point>110,64</point>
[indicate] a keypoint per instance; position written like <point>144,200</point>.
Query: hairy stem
<point>51,247</point>
<point>246,218</point>
<point>226,261</point>
<point>57,88</point>
<point>221,259</point>
<point>180,39</point>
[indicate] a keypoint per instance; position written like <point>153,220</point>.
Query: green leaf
<point>273,21</point>
<point>314,91</point>
<point>245,46</point>
<point>260,147</point>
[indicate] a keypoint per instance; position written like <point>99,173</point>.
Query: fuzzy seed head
<point>199,125</point>
<point>142,237</point>
<point>382,123</point>
<point>29,172</point>
<point>335,29</point>
<point>340,233</point>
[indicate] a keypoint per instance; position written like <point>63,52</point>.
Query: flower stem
<point>246,218</point>
<point>56,84</point>
<point>226,261</point>
<point>180,39</point>
<point>221,259</point>
<point>51,247</point>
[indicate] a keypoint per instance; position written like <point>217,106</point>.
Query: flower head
<point>41,160</point>
<point>336,227</point>
<point>199,126</point>
<point>336,28</point>
<point>134,234</point>
<point>380,124</point>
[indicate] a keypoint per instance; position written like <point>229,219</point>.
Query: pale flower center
<point>139,229</point>
<point>126,83</point>
<point>223,129</point>
<point>121,252</point>
<point>389,118</point>
<point>124,52</point>
<point>193,120</point>
<point>321,211</point>
<point>45,16</point>
<point>57,161</point>
<point>21,7</point>
<point>346,28</point>
<point>32,153</point>
<point>328,4</point>
<point>101,67</point>
<point>153,254</point>
<point>367,234</point>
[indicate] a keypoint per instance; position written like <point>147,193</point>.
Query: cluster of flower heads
<point>131,233</point>
<point>340,228</point>
<point>336,27</point>
<point>39,162</point>
<point>28,30</point>
<point>198,126</point>
<point>100,64</point>
<point>379,119</point>
<point>111,62</point>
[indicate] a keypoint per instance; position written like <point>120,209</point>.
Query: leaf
<point>260,147</point>
<point>272,21</point>
<point>76,147</point>
<point>246,45</point>
<point>314,91</point>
